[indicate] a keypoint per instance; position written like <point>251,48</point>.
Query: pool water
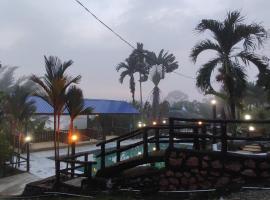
<point>111,159</point>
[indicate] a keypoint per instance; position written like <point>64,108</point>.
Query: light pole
<point>74,139</point>
<point>214,110</point>
<point>28,140</point>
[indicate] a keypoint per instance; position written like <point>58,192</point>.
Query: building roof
<point>100,106</point>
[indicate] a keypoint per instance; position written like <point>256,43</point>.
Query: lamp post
<point>28,140</point>
<point>214,110</point>
<point>74,139</point>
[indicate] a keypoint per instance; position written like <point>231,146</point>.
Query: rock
<point>195,171</point>
<point>199,177</point>
<point>172,188</point>
<point>162,176</point>
<point>178,174</point>
<point>234,166</point>
<point>187,174</point>
<point>193,187</point>
<point>205,185</point>
<point>182,155</point>
<point>207,158</point>
<point>184,181</point>
<point>192,180</point>
<point>238,180</point>
<point>216,164</point>
<point>203,172</point>
<point>175,162</point>
<point>204,164</point>
<point>223,181</point>
<point>215,173</point>
<point>174,181</point>
<point>249,173</point>
<point>173,154</point>
<point>264,165</point>
<point>265,174</point>
<point>250,164</point>
<point>169,173</point>
<point>192,162</point>
<point>163,182</point>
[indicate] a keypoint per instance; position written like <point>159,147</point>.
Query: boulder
<point>234,166</point>
<point>169,173</point>
<point>178,174</point>
<point>192,162</point>
<point>249,173</point>
<point>216,164</point>
<point>265,174</point>
<point>175,162</point>
<point>163,182</point>
<point>204,164</point>
<point>264,165</point>
<point>223,181</point>
<point>250,164</point>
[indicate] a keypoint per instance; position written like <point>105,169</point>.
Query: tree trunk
<point>233,110</point>
<point>70,132</point>
<point>55,139</point>
<point>141,91</point>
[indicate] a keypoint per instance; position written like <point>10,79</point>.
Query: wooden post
<point>57,171</point>
<point>224,142</point>
<point>28,156</point>
<point>118,153</point>
<point>157,139</point>
<point>145,143</point>
<point>89,167</point>
<point>86,170</point>
<point>196,144</point>
<point>102,156</point>
<point>204,139</point>
<point>171,133</point>
<point>73,158</point>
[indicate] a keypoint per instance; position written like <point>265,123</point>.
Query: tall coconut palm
<point>234,43</point>
<point>129,68</point>
<point>142,66</point>
<point>75,106</point>
<point>156,78</point>
<point>52,88</point>
<point>165,60</point>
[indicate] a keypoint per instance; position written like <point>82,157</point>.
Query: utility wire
<point>121,38</point>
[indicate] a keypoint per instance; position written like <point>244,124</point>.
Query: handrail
<point>221,120</point>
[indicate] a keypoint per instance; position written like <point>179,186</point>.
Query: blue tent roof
<point>100,106</point>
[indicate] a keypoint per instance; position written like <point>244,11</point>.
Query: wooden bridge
<point>200,133</point>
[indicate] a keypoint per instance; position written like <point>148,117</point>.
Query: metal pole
<point>73,145</point>
<point>28,156</point>
<point>214,125</point>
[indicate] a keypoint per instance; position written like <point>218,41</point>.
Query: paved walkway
<point>14,185</point>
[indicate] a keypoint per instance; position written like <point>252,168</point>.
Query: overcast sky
<point>33,28</point>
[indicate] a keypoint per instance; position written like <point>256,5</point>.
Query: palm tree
<point>165,60</point>
<point>156,78</point>
<point>19,110</point>
<point>142,66</point>
<point>75,107</point>
<point>52,89</point>
<point>234,42</point>
<point>128,69</point>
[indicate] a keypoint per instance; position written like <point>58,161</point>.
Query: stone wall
<point>195,170</point>
<point>186,169</point>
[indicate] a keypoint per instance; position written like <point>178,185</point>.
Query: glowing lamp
<point>74,138</point>
<point>213,102</point>
<point>251,128</point>
<point>154,149</point>
<point>154,123</point>
<point>27,138</point>
<point>247,117</point>
<point>200,122</point>
<point>164,121</point>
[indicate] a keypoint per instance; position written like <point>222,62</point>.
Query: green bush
<point>4,149</point>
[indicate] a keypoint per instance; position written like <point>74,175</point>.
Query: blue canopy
<point>100,106</point>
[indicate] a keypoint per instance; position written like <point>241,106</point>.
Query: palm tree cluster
<point>147,63</point>
<point>234,43</point>
<point>58,89</point>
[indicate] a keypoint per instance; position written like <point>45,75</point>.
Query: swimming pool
<point>111,159</point>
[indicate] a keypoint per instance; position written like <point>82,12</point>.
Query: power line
<point>121,38</point>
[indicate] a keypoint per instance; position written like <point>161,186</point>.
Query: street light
<point>74,139</point>
<point>27,140</point>
<point>247,117</point>
<point>251,128</point>
<point>200,122</point>
<point>154,123</point>
<point>214,107</point>
<point>164,121</point>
